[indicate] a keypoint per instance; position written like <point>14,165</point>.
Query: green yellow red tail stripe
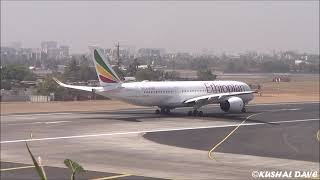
<point>105,74</point>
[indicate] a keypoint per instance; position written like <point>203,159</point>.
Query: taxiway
<point>137,143</point>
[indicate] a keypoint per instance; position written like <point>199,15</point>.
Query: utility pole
<point>118,54</point>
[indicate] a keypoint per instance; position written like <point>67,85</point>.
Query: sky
<point>185,26</point>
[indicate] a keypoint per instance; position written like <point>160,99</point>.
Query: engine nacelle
<point>232,104</point>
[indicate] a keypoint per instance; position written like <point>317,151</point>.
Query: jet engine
<point>232,104</point>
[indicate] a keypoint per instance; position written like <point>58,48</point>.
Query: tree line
<point>81,69</point>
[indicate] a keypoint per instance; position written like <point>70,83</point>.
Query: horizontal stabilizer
<point>83,88</point>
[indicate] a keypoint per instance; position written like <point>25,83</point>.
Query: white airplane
<point>167,95</point>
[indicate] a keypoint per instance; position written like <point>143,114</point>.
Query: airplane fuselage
<point>172,94</point>
<point>231,95</point>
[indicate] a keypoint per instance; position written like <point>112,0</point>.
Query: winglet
<point>57,81</point>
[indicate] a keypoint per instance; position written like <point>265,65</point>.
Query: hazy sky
<point>177,26</point>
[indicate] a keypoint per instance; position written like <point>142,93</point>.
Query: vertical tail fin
<point>104,70</point>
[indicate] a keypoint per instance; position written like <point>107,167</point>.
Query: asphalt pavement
<point>138,144</point>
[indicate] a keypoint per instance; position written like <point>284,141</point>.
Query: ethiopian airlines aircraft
<point>231,95</point>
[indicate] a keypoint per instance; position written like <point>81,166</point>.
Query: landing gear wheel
<point>200,113</point>
<point>243,110</point>
<point>189,113</point>
<point>157,111</point>
<point>195,112</point>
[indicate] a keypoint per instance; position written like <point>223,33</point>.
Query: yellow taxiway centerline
<point>224,139</point>
<point>315,177</point>
<point>16,168</point>
<point>112,177</point>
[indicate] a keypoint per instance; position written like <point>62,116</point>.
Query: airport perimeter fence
<point>39,99</point>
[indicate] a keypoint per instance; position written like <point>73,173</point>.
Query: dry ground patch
<point>60,106</point>
<point>300,88</point>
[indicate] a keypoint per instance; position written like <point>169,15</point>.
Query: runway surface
<point>271,137</point>
<point>138,144</point>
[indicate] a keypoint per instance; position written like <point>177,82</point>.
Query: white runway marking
<point>294,109</point>
<point>148,131</point>
<point>284,103</point>
<point>56,122</point>
<point>27,118</point>
<point>148,108</point>
<point>37,114</point>
<point>31,123</point>
<point>217,105</point>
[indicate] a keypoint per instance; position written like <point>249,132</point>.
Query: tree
<point>149,74</point>
<point>86,72</point>
<point>237,66</point>
<point>48,85</point>
<point>199,63</point>
<point>133,67</point>
<point>230,67</point>
<point>206,75</point>
<point>52,64</point>
<point>275,66</point>
<point>119,72</point>
<point>17,72</point>
<point>6,84</point>
<point>71,72</point>
<point>173,75</point>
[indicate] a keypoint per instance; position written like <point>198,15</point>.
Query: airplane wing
<point>83,88</point>
<point>215,98</point>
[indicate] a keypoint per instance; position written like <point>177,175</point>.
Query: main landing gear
<point>163,111</point>
<point>195,113</point>
<point>190,113</point>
